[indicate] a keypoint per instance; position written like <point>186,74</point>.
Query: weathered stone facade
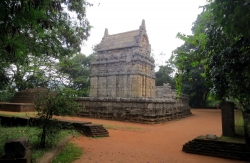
<point>123,66</point>
<point>122,82</point>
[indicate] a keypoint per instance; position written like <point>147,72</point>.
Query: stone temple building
<point>123,66</point>
<point>122,82</point>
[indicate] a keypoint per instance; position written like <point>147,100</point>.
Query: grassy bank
<point>32,133</point>
<point>239,123</point>
<point>69,154</point>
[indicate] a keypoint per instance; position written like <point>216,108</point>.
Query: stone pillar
<point>227,117</point>
<point>93,86</point>
<point>17,150</point>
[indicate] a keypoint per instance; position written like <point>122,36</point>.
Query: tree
<point>48,104</point>
<point>77,70</point>
<point>191,61</point>
<point>52,29</point>
<point>194,85</point>
<point>40,72</point>
<point>41,29</point>
<point>224,50</point>
<point>231,16</point>
<point>191,75</point>
<point>163,75</point>
<point>229,66</point>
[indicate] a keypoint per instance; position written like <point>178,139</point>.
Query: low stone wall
<point>218,148</point>
<point>85,128</point>
<point>17,107</point>
<point>142,110</point>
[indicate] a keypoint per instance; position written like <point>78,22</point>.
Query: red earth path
<point>143,143</point>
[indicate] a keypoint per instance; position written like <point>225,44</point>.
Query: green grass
<point>117,127</point>
<point>239,123</point>
<point>7,133</point>
<point>69,154</point>
<point>232,139</point>
<point>18,114</point>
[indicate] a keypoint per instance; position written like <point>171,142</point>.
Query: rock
<point>211,136</point>
<point>17,148</point>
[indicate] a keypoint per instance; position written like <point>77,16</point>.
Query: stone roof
<point>122,40</point>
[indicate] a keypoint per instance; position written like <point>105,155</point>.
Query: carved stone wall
<point>122,83</point>
<point>123,67</point>
<point>142,110</point>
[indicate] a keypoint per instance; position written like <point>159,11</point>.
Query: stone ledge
<point>128,100</point>
<point>51,155</point>
<point>224,148</point>
<point>17,107</point>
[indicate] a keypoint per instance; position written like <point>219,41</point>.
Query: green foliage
<point>221,40</point>
<point>77,70</point>
<point>6,95</point>
<point>36,30</point>
<point>4,79</point>
<point>164,76</point>
<point>232,16</point>
<point>50,104</point>
<point>239,123</point>
<point>228,50</point>
<point>178,81</point>
<point>222,53</point>
<point>69,154</point>
<point>41,28</point>
<point>193,84</point>
<point>191,76</point>
<point>35,74</point>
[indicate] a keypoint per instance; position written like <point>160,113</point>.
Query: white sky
<point>163,18</point>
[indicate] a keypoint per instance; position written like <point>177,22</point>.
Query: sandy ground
<point>160,143</point>
<point>142,143</point>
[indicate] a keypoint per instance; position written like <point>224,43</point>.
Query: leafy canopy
<point>220,42</point>
<point>46,30</point>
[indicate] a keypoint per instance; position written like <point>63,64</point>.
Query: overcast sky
<point>163,18</point>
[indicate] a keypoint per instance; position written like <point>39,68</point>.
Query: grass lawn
<point>239,123</point>
<point>32,133</point>
<point>7,133</point>
<point>18,114</point>
<point>69,154</point>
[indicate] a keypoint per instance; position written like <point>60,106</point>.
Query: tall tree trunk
<point>246,117</point>
<point>43,137</point>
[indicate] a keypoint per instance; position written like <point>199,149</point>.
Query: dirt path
<point>161,143</point>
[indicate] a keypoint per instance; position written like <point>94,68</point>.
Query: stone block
<point>211,136</point>
<point>17,151</point>
<point>16,148</point>
<point>227,117</point>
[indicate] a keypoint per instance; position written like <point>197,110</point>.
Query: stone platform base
<point>231,149</point>
<point>141,110</point>
<point>17,107</point>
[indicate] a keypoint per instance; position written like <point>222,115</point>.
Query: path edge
<point>49,156</point>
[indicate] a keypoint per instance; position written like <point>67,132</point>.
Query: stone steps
<point>218,148</point>
<point>93,130</point>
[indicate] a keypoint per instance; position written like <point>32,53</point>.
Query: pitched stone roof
<point>122,40</point>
